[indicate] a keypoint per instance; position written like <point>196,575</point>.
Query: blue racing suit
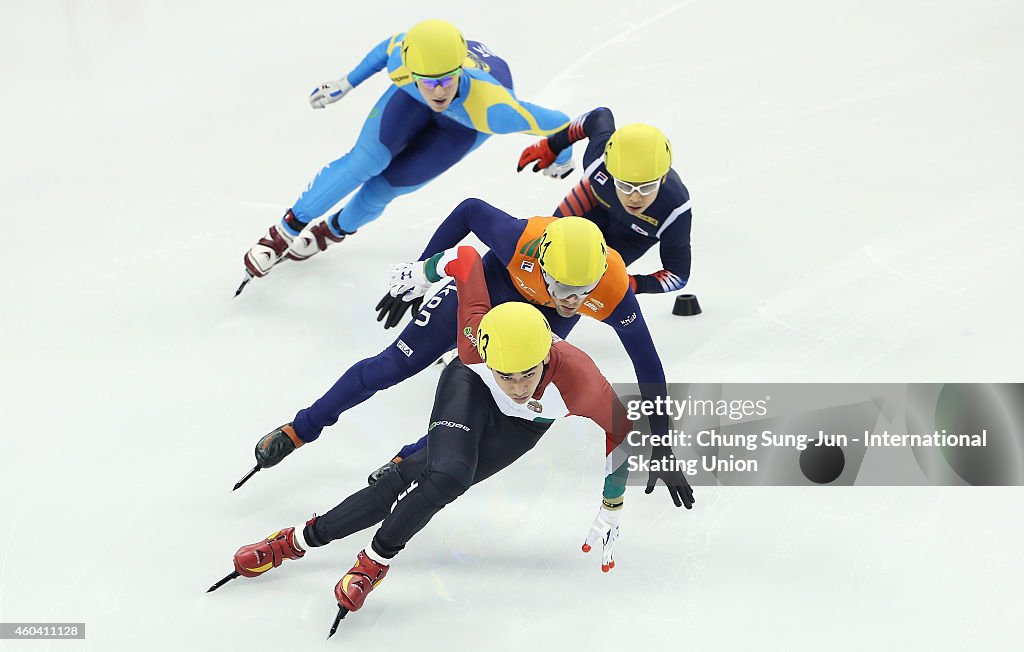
<point>404,143</point>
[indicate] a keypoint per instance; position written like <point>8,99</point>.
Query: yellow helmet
<point>433,48</point>
<point>513,337</point>
<point>637,153</point>
<point>573,252</point>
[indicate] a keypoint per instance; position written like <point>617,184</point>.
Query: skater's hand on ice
<point>678,488</point>
<point>539,152</point>
<point>559,170</point>
<point>391,309</point>
<point>605,529</point>
<point>329,92</point>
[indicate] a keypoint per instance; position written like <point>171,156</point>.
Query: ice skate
<point>357,583</point>
<point>258,558</point>
<point>270,249</point>
<point>266,253</point>
<point>314,239</point>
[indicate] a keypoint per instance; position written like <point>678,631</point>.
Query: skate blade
<point>245,281</point>
<point>224,581</point>
<point>248,475</point>
<point>342,612</point>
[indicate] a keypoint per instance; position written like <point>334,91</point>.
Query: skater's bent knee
<point>445,479</point>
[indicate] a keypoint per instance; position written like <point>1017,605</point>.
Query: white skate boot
<point>314,238</point>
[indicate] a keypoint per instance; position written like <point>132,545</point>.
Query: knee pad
<point>444,480</point>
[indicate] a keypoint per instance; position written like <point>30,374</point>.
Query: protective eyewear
<point>444,81</point>
<point>644,189</point>
<point>563,291</point>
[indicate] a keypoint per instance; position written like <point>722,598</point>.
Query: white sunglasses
<point>644,189</point>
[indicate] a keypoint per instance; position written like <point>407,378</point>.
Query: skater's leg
<point>434,149</point>
<point>392,124</point>
<point>366,507</point>
<point>469,440</point>
<point>417,347</point>
<point>460,416</point>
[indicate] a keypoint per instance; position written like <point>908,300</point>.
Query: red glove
<point>540,152</point>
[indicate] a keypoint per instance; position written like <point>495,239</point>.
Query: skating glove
<point>605,530</point>
<point>408,281</point>
<point>559,170</point>
<point>391,309</point>
<point>543,158</point>
<point>539,153</point>
<point>329,92</point>
<point>276,445</point>
<point>678,488</point>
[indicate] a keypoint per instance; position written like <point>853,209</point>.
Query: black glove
<point>379,473</point>
<point>277,445</point>
<point>678,487</point>
<point>394,309</point>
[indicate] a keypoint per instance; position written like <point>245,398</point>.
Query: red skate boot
<point>352,590</point>
<point>362,578</point>
<point>257,558</point>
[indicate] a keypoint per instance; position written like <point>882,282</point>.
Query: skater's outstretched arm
<point>628,321</point>
<point>374,61</point>
<point>597,126</point>
<point>498,230</point>
<point>331,91</point>
<point>588,393</point>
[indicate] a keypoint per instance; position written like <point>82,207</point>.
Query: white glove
<point>329,92</point>
<point>559,170</point>
<point>408,281</point>
<point>606,530</point>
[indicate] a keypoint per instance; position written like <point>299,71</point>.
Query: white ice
<point>856,174</point>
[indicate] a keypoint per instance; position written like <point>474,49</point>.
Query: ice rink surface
<point>855,170</point>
